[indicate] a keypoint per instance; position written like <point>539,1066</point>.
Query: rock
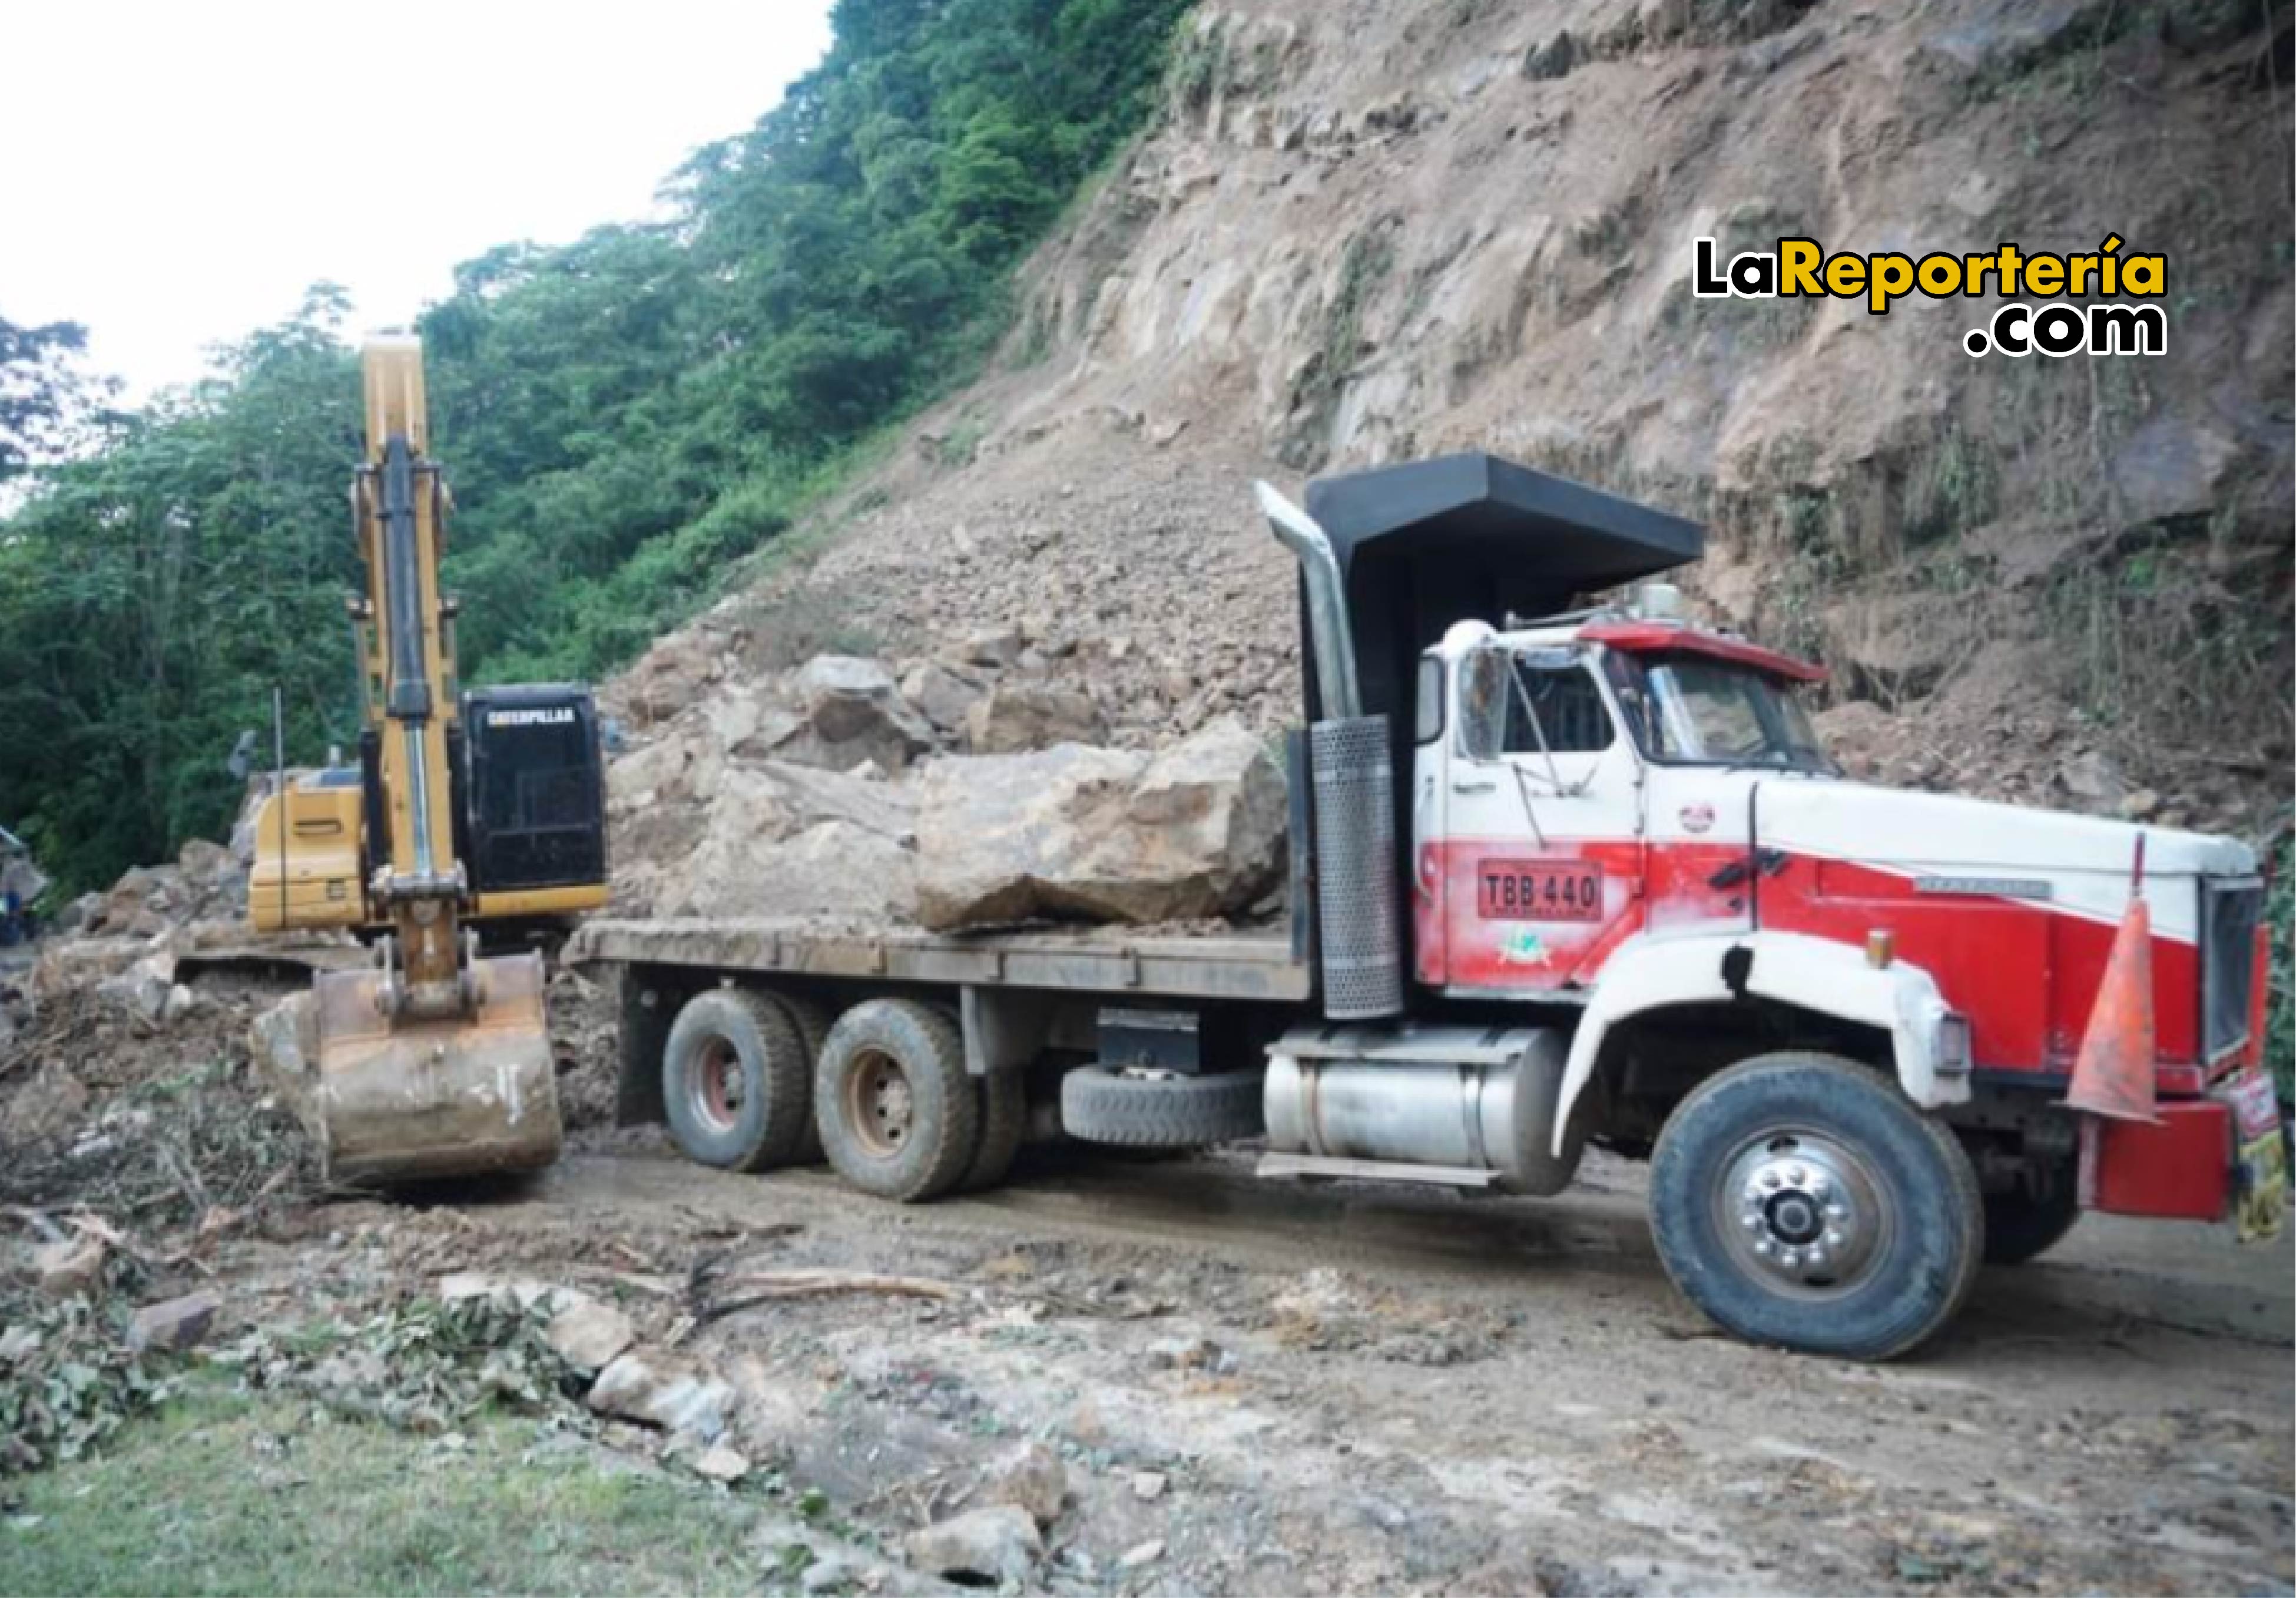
<point>205,864</point>
<point>1189,1354</point>
<point>1148,1485</point>
<point>835,868</point>
<point>283,1043</point>
<point>943,694</point>
<point>1101,835</point>
<point>145,991</point>
<point>174,1324</point>
<point>1892,644</point>
<point>2007,36</point>
<point>70,1267</point>
<point>586,1334</point>
<point>128,897</point>
<point>999,648</point>
<point>2172,468</point>
<point>855,711</point>
<point>1551,58</point>
<point>1143,1553</point>
<point>648,1385</point>
<point>2092,781</point>
<point>674,766</point>
<point>2142,805</point>
<point>585,1331</point>
<point>720,1463</point>
<point>669,677</point>
<point>1016,716</point>
<point>785,839</point>
<point>998,1543</point>
<point>1032,1477</point>
<point>743,721</point>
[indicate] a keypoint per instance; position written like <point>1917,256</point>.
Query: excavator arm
<point>434,1060</point>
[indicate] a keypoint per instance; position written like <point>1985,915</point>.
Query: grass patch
<point>227,1494</point>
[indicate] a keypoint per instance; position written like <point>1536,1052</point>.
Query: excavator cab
<point>469,810</point>
<point>530,798</point>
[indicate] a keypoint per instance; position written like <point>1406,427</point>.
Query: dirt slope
<point>1365,231</point>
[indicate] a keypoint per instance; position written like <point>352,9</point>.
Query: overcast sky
<point>179,170</point>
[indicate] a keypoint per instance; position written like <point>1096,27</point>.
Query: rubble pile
<point>958,791</point>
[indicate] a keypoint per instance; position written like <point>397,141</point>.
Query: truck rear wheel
<point>1799,1201</point>
<point>898,1117</point>
<point>812,1022</point>
<point>1140,1109</point>
<point>734,1081</point>
<point>1004,1123</point>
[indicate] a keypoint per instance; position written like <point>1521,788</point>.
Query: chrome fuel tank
<point>1467,1096</point>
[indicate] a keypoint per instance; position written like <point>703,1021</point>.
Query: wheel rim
<point>1803,1212</point>
<point>880,1105</point>
<point>720,1087</point>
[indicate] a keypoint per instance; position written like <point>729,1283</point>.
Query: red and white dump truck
<point>1558,877</point>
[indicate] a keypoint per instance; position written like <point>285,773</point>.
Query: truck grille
<point>2229,909</point>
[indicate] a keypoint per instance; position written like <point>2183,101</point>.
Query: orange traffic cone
<point>2113,1073</point>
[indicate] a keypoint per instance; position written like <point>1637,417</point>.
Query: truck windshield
<point>1689,710</point>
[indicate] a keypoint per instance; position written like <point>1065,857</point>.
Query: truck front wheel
<point>1799,1201</point>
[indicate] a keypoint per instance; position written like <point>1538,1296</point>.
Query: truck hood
<point>2084,859</point>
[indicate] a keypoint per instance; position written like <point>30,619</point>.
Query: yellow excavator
<point>483,809</point>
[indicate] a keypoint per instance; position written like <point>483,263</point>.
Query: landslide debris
<point>1358,235</point>
<point>774,796</point>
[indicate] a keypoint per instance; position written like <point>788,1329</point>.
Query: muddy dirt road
<point>1342,1390</point>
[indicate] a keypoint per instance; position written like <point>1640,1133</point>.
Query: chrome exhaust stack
<point>1358,903</point>
<point>1329,634</point>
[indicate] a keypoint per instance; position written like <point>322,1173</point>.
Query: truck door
<point>1542,836</point>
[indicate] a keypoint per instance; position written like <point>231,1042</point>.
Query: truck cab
<point>1576,785</point>
<point>1822,1007</point>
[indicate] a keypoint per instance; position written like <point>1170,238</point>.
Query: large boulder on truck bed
<point>1074,832</point>
<point>786,840</point>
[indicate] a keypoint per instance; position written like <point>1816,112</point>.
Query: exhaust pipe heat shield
<point>415,1099</point>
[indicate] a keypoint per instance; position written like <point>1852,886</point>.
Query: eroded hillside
<point>1367,231</point>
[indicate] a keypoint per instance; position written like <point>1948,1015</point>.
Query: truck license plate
<point>2261,1165</point>
<point>1536,890</point>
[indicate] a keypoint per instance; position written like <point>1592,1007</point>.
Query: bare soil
<point>1349,1389</point>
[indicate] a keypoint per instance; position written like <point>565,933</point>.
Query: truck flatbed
<point>1247,964</point>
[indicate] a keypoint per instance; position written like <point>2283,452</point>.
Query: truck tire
<point>1004,1123</point>
<point>1136,1110</point>
<point>898,1117</point>
<point>2021,1225</point>
<point>734,1081</point>
<point>1799,1201</point>
<point>812,1021</point>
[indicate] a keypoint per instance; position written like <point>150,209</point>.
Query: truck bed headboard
<point>1424,545</point>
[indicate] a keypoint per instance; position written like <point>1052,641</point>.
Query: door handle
<point>1483,787</point>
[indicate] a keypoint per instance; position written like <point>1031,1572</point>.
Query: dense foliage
<point>622,417</point>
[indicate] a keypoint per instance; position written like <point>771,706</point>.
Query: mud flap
<point>422,1098</point>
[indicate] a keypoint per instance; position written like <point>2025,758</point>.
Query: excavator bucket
<point>401,1102</point>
